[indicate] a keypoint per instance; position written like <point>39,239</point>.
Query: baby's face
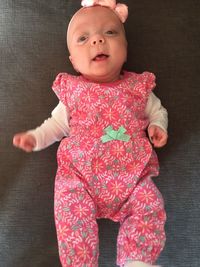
<point>97,44</point>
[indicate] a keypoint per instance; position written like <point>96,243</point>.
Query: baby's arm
<point>53,129</point>
<point>158,121</point>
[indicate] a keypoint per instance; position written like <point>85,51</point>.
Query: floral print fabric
<point>110,179</point>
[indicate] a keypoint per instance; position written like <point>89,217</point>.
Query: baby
<point>105,162</point>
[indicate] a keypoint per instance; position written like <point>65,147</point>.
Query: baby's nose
<point>98,39</point>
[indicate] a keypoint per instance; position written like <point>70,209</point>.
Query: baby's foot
<point>139,264</point>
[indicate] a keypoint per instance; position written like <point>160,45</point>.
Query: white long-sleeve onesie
<point>57,126</point>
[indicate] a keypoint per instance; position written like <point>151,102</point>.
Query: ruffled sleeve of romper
<point>60,86</point>
<point>144,83</point>
<point>148,79</point>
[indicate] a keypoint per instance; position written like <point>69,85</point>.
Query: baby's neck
<point>105,79</point>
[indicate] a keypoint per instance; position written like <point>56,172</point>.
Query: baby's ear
<point>72,61</point>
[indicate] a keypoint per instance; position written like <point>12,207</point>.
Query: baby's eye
<point>82,39</point>
<point>111,32</point>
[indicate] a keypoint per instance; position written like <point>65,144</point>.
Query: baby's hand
<point>24,141</point>
<point>157,136</point>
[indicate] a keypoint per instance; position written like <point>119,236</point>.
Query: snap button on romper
<point>105,167</point>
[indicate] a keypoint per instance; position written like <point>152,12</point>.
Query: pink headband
<point>121,10</point>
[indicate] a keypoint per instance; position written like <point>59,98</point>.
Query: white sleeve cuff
<point>53,129</point>
<point>156,113</point>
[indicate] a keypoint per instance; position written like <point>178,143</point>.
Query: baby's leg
<point>76,226</point>
<point>141,236</point>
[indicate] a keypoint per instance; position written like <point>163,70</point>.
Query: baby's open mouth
<point>100,57</point>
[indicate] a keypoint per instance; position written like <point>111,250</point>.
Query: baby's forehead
<point>92,16</point>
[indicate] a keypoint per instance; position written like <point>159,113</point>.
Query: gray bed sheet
<point>164,38</point>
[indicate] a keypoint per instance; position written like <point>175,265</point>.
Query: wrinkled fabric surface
<point>111,179</point>
<point>164,39</point>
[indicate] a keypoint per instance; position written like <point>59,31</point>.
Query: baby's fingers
<point>17,139</point>
<point>24,141</point>
<point>160,140</point>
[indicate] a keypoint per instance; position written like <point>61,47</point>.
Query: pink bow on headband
<point>121,10</point>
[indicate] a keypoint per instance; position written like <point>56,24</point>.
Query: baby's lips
<point>100,57</point>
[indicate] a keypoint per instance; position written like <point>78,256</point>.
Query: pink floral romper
<point>105,167</point>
